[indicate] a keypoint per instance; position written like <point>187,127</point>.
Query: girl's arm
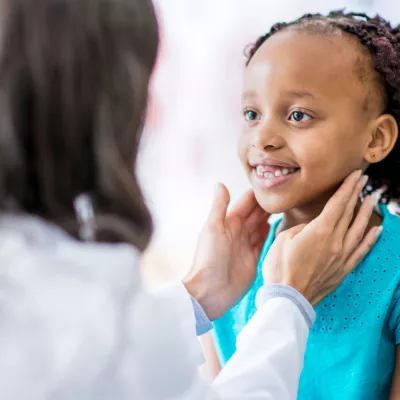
<point>212,367</point>
<point>395,392</point>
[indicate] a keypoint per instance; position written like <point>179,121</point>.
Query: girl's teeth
<point>260,170</point>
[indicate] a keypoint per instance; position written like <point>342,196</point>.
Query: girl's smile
<point>268,172</point>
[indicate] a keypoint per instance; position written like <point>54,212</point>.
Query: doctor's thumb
<point>220,203</point>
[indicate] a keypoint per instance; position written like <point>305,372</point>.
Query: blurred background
<point>195,116</point>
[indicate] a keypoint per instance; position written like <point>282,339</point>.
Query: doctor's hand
<point>227,252</point>
<point>315,258</point>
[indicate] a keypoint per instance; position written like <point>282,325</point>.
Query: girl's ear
<point>383,137</point>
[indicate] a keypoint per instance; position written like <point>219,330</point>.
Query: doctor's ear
<point>383,138</point>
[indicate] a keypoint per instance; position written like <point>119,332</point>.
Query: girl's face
<point>307,117</point>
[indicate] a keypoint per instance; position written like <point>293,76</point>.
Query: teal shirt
<point>351,348</point>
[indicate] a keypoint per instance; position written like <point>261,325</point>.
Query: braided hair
<point>383,43</point>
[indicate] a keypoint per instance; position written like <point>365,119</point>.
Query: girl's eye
<point>299,116</point>
<point>250,115</point>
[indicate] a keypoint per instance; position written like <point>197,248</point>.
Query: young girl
<point>322,97</point>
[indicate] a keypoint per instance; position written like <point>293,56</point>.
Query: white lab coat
<point>76,323</point>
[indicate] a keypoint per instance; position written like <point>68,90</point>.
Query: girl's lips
<point>272,180</point>
<point>271,163</point>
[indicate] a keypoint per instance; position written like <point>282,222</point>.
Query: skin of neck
<point>305,214</point>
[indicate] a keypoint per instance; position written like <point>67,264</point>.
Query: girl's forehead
<point>326,65</point>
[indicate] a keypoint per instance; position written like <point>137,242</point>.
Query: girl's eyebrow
<point>249,94</point>
<point>290,93</point>
<point>299,94</point>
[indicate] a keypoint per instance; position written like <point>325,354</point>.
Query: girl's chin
<point>274,206</point>
<point>274,209</point>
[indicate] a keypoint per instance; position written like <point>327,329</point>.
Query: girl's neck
<point>304,215</point>
<point>301,215</point>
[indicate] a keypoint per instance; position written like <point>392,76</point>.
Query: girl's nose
<point>267,136</point>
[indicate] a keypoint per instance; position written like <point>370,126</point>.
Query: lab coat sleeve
<point>267,364</point>
<point>269,356</point>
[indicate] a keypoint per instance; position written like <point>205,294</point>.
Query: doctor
<point>75,319</point>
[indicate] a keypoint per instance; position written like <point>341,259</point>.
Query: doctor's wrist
<point>271,291</point>
<point>212,300</point>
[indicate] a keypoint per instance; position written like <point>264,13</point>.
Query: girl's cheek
<point>242,149</point>
<point>313,155</point>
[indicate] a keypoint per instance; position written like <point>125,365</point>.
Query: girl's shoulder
<point>382,264</point>
<point>391,219</point>
<point>387,249</point>
<point>368,295</point>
